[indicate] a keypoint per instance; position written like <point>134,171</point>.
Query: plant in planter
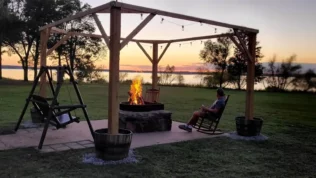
<point>248,127</point>
<point>112,146</point>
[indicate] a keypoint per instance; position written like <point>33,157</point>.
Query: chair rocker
<point>208,125</point>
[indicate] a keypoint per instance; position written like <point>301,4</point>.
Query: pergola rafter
<point>113,41</point>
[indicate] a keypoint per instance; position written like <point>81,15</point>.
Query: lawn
<point>289,122</point>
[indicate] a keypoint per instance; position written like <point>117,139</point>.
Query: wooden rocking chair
<point>208,125</point>
<point>152,95</point>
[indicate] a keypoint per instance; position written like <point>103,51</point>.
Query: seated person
<point>211,111</point>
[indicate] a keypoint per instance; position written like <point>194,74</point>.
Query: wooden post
<point>155,66</point>
<point>43,47</point>
<point>115,47</point>
<point>250,76</point>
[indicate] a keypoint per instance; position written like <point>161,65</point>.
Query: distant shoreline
<point>305,67</point>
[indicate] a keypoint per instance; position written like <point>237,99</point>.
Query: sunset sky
<point>286,27</point>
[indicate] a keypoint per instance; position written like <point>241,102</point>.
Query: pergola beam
<point>137,29</point>
<point>104,35</point>
<point>242,49</point>
<point>114,66</point>
<point>180,16</point>
<point>43,46</point>
<point>245,49</point>
<point>201,37</point>
<point>163,52</point>
<point>249,110</point>
<point>79,15</point>
<point>61,31</point>
<point>144,51</point>
<point>155,66</point>
<point>66,37</point>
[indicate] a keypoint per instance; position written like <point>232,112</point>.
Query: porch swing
<point>49,109</point>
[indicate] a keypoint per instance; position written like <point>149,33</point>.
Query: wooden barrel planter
<point>247,127</point>
<point>112,147</point>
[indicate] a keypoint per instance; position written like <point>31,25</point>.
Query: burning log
<point>135,93</point>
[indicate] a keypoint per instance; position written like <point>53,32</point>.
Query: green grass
<point>289,122</point>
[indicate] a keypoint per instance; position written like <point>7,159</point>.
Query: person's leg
<point>192,121</point>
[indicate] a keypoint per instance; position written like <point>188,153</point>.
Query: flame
<point>135,91</point>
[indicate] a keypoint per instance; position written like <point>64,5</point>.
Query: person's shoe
<point>185,127</point>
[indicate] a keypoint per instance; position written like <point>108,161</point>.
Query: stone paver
<point>84,142</point>
<point>74,145</point>
<point>2,146</point>
<point>90,145</point>
<point>63,148</point>
<point>79,133</point>
<point>46,149</point>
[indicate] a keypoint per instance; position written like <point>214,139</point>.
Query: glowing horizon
<point>284,29</point>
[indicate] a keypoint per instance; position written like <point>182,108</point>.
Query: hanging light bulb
<point>182,27</point>
<point>191,43</point>
<point>215,30</point>
<point>180,45</point>
<point>201,23</point>
<point>162,19</point>
<point>141,16</point>
<point>160,47</point>
<point>201,41</point>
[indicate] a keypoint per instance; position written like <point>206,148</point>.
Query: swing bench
<point>51,113</point>
<point>60,118</point>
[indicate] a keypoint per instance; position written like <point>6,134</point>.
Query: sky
<point>286,27</point>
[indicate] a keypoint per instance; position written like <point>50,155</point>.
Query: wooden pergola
<point>113,41</point>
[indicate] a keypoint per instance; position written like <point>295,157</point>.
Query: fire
<point>135,92</point>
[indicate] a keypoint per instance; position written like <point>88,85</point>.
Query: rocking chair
<point>208,125</point>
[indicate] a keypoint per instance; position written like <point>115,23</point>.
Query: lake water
<point>191,79</point>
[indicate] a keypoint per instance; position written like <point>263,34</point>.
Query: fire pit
<point>147,106</point>
<point>138,115</point>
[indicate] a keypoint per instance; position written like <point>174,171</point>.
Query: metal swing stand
<point>53,113</point>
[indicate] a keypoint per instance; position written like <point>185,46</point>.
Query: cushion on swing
<point>65,119</point>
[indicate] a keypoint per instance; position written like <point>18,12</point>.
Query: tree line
<point>231,69</point>
<point>19,34</point>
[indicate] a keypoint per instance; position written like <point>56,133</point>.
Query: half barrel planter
<point>112,147</point>
<point>246,127</point>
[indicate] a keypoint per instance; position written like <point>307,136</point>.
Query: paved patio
<point>77,136</point>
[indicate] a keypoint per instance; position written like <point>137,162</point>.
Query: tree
<point>202,72</point>
<point>180,79</point>
<point>5,22</point>
<point>31,15</point>
<point>216,53</point>
<point>78,50</point>
<point>123,76</point>
<point>306,81</point>
<point>237,65</point>
<point>167,76</point>
<point>283,75</point>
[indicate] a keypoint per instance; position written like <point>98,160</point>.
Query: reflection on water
<point>190,79</point>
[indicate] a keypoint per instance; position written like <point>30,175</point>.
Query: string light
<point>162,19</point>
<point>141,16</point>
<point>160,47</point>
<point>201,23</point>
<point>182,27</point>
<point>191,43</point>
<point>215,30</point>
<point>180,45</point>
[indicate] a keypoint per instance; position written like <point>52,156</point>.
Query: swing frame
<point>51,117</point>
